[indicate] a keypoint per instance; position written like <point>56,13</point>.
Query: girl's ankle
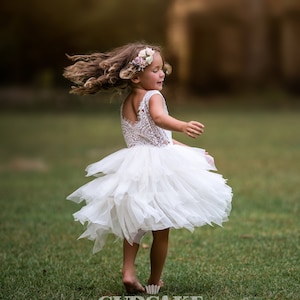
<point>159,282</point>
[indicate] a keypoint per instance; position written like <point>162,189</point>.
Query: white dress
<point>151,185</point>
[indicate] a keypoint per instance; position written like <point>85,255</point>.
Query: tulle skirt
<point>146,188</point>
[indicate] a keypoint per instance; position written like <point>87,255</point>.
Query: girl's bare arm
<point>165,121</point>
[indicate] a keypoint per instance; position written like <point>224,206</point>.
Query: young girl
<point>156,183</point>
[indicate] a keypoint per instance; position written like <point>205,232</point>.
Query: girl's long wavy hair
<point>96,72</point>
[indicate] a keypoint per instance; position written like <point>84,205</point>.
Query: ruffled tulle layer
<point>147,188</point>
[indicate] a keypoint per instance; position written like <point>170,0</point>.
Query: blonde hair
<point>96,72</point>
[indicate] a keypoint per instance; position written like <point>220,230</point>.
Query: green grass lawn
<point>255,256</point>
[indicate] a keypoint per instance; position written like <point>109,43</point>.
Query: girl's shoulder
<point>151,93</point>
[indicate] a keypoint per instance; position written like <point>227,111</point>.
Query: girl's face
<point>152,78</point>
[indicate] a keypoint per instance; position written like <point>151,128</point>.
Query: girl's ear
<point>135,79</point>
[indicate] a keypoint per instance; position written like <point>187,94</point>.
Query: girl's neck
<point>138,91</point>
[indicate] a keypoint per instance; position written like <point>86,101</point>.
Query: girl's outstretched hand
<point>193,129</point>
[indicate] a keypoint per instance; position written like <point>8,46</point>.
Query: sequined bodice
<point>144,131</point>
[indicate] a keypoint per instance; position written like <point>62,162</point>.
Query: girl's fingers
<point>194,129</point>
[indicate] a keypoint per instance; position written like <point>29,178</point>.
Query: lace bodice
<point>144,131</point>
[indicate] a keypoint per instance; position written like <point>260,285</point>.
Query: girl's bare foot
<point>132,285</point>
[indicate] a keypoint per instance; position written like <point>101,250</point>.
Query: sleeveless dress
<point>151,185</point>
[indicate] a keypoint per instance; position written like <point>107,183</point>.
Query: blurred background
<point>215,47</point>
<point>236,68</point>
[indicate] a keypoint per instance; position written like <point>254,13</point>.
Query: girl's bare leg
<point>158,255</point>
<point>130,280</point>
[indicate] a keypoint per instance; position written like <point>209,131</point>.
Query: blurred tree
<point>35,34</point>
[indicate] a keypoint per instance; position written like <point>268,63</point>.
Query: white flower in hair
<point>143,53</point>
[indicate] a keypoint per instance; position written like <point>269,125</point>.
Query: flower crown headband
<point>144,59</point>
<point>139,63</point>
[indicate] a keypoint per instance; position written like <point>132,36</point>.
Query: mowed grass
<point>255,256</point>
